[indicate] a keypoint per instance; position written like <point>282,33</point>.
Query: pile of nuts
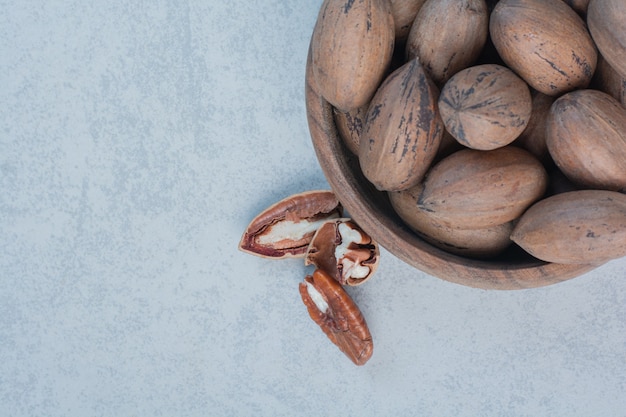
<point>486,123</point>
<point>311,225</point>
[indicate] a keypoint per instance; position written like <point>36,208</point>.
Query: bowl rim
<point>356,195</point>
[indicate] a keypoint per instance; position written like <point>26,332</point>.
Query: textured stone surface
<point>137,140</point>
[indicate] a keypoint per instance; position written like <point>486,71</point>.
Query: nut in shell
<point>286,228</point>
<point>341,248</point>
<point>481,243</point>
<point>330,306</point>
<point>473,189</point>
<point>448,35</point>
<point>485,106</point>
<point>545,42</point>
<point>351,49</point>
<point>576,227</point>
<point>402,131</point>
<point>404,12</point>
<point>586,137</point>
<point>606,23</point>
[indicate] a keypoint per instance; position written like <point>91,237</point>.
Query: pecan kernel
<point>330,306</point>
<point>344,250</point>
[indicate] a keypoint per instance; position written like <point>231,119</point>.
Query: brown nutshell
<point>473,189</point>
<point>402,130</point>
<point>586,136</point>
<point>286,228</point>
<point>545,42</point>
<point>485,106</point>
<point>577,227</point>
<point>479,243</point>
<point>351,49</point>
<point>606,20</point>
<point>448,36</point>
<point>404,12</point>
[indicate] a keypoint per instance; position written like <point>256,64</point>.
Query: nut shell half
<point>285,229</point>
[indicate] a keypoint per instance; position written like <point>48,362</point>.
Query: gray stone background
<point>137,140</point>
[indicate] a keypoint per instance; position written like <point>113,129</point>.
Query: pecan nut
<point>286,228</point>
<point>330,306</point>
<point>341,248</point>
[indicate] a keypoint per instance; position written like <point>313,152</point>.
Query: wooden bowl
<point>371,209</point>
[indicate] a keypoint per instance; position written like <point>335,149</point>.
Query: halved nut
<point>330,306</point>
<point>286,228</point>
<point>341,248</point>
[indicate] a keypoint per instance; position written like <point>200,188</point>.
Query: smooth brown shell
<point>587,226</point>
<point>476,189</point>
<point>545,42</point>
<point>606,20</point>
<point>404,12</point>
<point>351,49</point>
<point>586,136</point>
<point>485,106</point>
<point>447,36</point>
<point>474,243</point>
<point>402,130</point>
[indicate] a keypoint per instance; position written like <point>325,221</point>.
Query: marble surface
<point>137,140</point>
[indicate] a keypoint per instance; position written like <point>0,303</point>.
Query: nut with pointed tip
<point>330,306</point>
<point>286,228</point>
<point>341,248</point>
